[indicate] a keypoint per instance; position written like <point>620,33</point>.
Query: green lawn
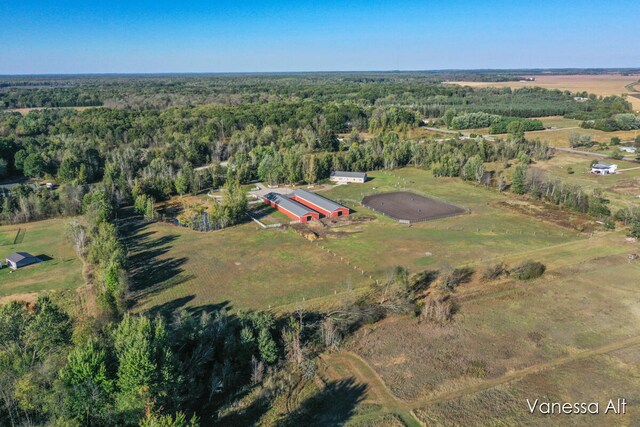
<point>488,232</point>
<point>8,236</point>
<point>46,239</point>
<point>243,267</point>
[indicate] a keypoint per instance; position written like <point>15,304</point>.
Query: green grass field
<point>488,232</point>
<point>43,238</point>
<point>248,267</point>
<point>243,267</point>
<point>8,236</point>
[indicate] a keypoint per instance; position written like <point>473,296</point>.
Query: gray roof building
<point>316,200</point>
<point>344,174</point>
<point>286,203</point>
<point>603,165</point>
<point>21,259</point>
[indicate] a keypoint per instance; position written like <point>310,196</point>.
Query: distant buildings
<point>603,168</point>
<point>627,149</point>
<point>340,176</point>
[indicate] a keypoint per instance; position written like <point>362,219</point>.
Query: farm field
<point>603,84</point>
<point>514,340</point>
<point>44,239</point>
<point>560,137</point>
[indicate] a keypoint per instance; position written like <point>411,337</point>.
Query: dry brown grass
<point>508,326</point>
<point>25,111</point>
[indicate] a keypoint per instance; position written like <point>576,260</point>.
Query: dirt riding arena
<point>409,207</point>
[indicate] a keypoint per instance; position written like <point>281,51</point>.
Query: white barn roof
<point>343,174</point>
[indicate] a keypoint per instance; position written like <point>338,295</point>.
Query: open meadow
<point>511,341</point>
<point>61,268</point>
<point>243,267</point>
<point>489,232</point>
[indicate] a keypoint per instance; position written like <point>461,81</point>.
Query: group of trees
<point>137,370</point>
<point>61,370</point>
<point>274,128</point>
<point>568,196</point>
<point>495,122</point>
<point>623,121</point>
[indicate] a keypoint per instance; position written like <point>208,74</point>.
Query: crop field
<point>45,239</point>
<point>604,85</point>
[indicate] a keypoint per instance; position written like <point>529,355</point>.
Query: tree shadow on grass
<point>333,406</point>
<point>170,308</point>
<point>151,271</point>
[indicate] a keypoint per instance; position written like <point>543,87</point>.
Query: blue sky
<point>243,36</point>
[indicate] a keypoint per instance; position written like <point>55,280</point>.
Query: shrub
<point>456,277</point>
<point>438,309</point>
<point>529,270</point>
<point>495,271</point>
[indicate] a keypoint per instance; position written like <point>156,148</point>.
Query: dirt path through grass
<point>345,363</point>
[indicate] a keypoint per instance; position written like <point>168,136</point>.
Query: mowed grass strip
<point>243,267</point>
<point>43,238</point>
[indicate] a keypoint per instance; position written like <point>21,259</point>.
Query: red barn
<point>319,204</point>
<point>291,208</point>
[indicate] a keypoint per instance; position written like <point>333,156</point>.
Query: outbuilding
<point>21,259</point>
<point>291,208</point>
<point>341,176</point>
<point>603,168</point>
<point>320,204</point>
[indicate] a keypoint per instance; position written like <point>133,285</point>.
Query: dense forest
<point>152,137</point>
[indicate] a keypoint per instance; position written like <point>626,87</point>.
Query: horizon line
<point>435,70</point>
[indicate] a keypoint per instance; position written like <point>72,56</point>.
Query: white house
<point>341,176</point>
<point>602,168</point>
<point>627,149</point>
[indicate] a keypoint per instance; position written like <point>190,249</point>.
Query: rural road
<point>348,363</point>
<point>589,153</point>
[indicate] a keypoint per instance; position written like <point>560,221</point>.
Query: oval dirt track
<point>403,205</point>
